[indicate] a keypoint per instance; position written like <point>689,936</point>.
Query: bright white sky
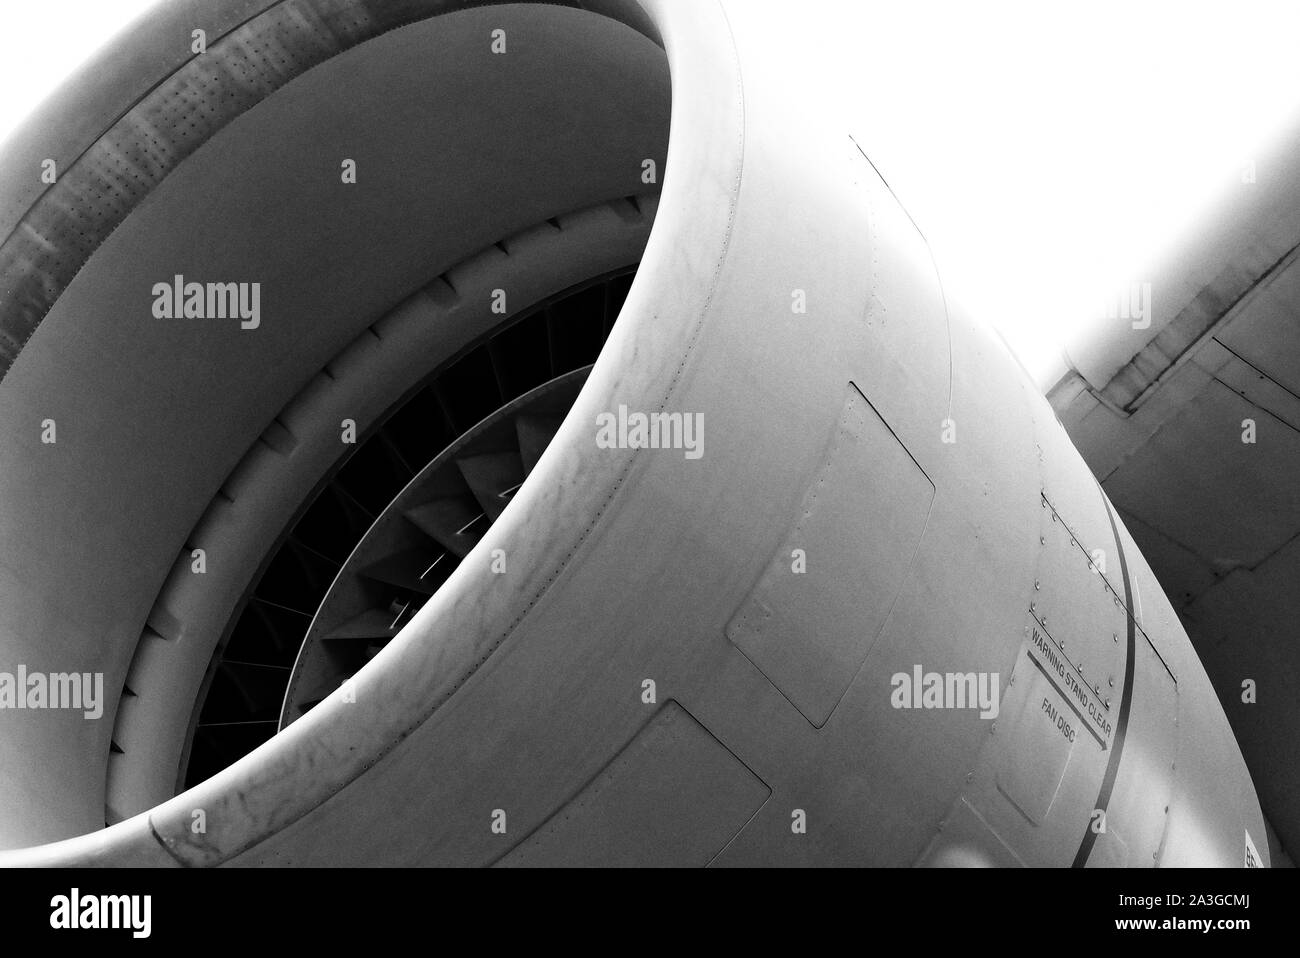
<point>43,41</point>
<point>1044,148</point>
<point>1052,151</point>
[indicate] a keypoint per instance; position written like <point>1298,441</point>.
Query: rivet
<point>1037,585</point>
<point>1111,681</point>
<point>1042,540</point>
<point>1114,637</point>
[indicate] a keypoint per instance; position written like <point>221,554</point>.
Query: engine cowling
<point>805,572</point>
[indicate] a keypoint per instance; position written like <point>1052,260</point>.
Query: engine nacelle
<point>807,572</point>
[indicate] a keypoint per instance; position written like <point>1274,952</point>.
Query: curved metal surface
<point>598,703</point>
<point>234,210</point>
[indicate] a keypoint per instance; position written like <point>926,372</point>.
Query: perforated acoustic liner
<point>61,230</point>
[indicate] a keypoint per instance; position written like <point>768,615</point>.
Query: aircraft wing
<point>1185,401</point>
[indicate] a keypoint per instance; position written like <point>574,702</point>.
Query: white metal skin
<point>359,305</point>
<point>692,661</point>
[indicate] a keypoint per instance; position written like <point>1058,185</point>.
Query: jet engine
<point>463,433</point>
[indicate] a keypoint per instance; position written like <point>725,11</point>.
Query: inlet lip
<point>551,519</point>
